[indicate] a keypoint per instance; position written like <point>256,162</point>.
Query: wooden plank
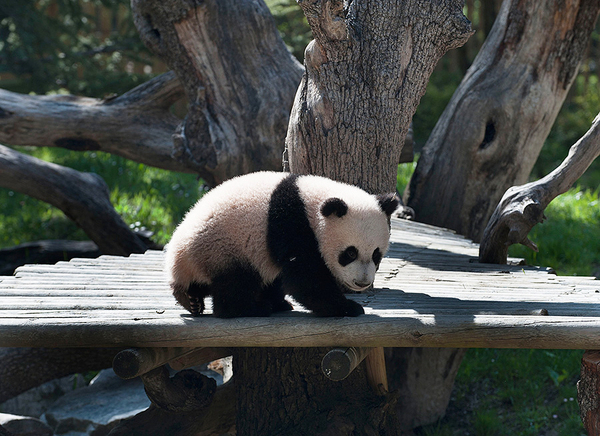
<point>430,292</point>
<point>303,330</point>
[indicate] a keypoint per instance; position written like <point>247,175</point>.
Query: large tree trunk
<point>492,131</point>
<point>365,73</point>
<point>238,76</point>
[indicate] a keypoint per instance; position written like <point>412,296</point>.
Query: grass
<point>145,197</point>
<point>497,392</point>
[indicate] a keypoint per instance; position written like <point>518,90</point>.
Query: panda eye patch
<point>377,256</point>
<point>348,256</point>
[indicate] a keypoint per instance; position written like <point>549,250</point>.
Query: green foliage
<point>61,45</point>
<point>146,198</point>
<point>514,392</point>
<point>574,119</point>
<point>292,25</point>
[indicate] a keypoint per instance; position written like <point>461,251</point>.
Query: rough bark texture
<point>424,378</point>
<point>136,125</point>
<point>588,392</point>
<point>26,368</point>
<point>365,73</point>
<point>83,197</point>
<point>217,419</point>
<point>238,76</point>
<point>285,392</point>
<point>522,207</point>
<point>491,133</point>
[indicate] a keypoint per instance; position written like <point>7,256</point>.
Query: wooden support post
<point>588,392</point>
<point>132,362</point>
<point>376,370</point>
<point>187,391</point>
<point>340,362</point>
<point>199,356</point>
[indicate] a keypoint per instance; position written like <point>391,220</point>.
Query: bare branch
<point>83,197</point>
<point>522,207</point>
<point>239,78</point>
<point>136,125</point>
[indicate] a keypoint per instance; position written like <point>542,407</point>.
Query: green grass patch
<point>569,239</point>
<point>145,197</point>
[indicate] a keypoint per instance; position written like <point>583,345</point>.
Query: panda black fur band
<point>256,238</point>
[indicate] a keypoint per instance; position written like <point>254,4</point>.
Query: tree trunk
<point>238,76</point>
<point>588,392</point>
<point>365,73</point>
<point>285,392</point>
<point>491,133</point>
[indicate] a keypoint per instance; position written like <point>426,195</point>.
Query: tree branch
<point>239,78</point>
<point>522,207</point>
<point>83,197</point>
<point>136,125</point>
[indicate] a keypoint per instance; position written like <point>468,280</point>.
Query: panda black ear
<point>334,205</point>
<point>388,203</point>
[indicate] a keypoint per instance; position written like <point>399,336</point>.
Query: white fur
<point>365,227</point>
<point>230,223</point>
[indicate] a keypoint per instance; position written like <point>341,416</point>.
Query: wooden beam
<point>588,392</point>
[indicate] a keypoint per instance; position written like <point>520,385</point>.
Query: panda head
<point>354,236</point>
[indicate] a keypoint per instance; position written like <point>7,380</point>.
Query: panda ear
<point>388,203</point>
<point>334,205</point>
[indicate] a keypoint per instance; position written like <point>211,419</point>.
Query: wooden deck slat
<point>430,292</point>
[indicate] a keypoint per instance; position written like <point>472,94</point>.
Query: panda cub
<point>255,238</point>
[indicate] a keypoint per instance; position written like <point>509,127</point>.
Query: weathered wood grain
<point>429,292</point>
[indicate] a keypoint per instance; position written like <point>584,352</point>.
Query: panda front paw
<point>353,308</point>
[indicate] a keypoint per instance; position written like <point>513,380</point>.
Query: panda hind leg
<point>238,292</point>
<point>196,293</point>
<point>274,293</point>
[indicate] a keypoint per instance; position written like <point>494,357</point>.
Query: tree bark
<point>522,207</point>
<point>366,71</point>
<point>588,392</point>
<point>238,76</point>
<point>26,368</point>
<point>285,392</point>
<point>83,197</point>
<point>136,125</point>
<point>491,132</point>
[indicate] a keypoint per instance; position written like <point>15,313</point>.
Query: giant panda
<point>255,238</point>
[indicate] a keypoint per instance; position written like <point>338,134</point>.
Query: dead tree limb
<point>239,78</point>
<point>26,368</point>
<point>522,207</point>
<point>83,197</point>
<point>136,125</point>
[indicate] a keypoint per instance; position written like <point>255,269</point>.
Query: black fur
<point>239,291</point>
<point>334,205</point>
<point>388,203</point>
<point>294,248</point>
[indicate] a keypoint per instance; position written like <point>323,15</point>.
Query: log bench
<point>430,291</point>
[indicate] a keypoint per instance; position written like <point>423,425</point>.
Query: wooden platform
<point>429,292</point>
